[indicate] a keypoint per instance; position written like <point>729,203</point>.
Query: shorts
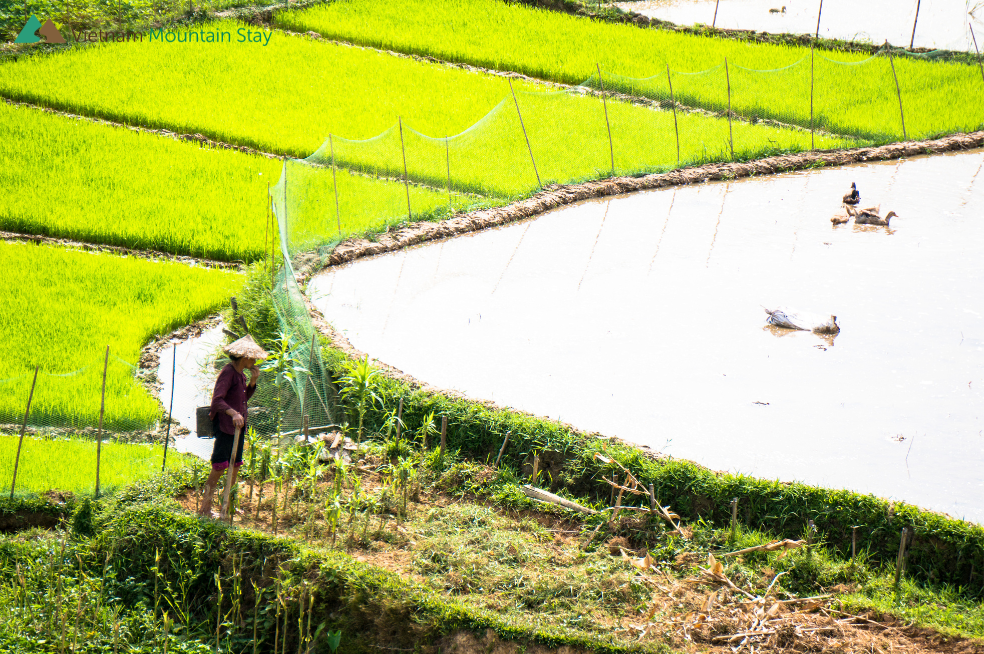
<point>222,450</point>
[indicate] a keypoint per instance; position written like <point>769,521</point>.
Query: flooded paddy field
<point>941,25</point>
<point>642,317</point>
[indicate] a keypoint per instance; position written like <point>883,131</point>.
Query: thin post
<point>447,154</point>
<point>406,183</point>
<point>854,542</point>
<point>898,92</point>
<point>813,144</point>
<point>977,50</point>
<point>334,183</point>
<point>652,499</point>
<point>227,493</point>
<point>734,518</point>
<point>810,527</point>
<point>525,135</point>
<point>676,128</point>
<point>444,435</point>
<point>819,12</point>
<point>916,20</point>
<point>604,103</point>
<point>23,428</point>
<point>266,238</point>
<point>501,450</point>
<point>170,411</point>
<point>399,418</point>
<point>731,139</point>
<point>536,468</point>
<point>900,561</point>
<point>102,410</point>
<point>306,428</point>
<point>714,22</point>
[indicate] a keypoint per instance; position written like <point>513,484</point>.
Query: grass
<point>855,94</point>
<point>62,308</point>
<point>360,95</point>
<point>69,464</point>
<point>63,178</point>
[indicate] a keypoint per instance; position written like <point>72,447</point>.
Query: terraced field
<point>63,307</point>
<point>854,94</point>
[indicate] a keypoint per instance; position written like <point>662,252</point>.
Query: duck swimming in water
<point>853,197</point>
<point>843,216</point>
<point>870,216</point>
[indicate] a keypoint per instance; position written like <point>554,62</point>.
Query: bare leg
<point>207,491</point>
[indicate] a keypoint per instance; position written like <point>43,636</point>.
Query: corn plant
<point>358,388</point>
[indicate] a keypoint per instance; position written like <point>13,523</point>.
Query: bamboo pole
<point>227,492</point>
<point>20,442</point>
<point>901,559</point>
<point>502,449</point>
<point>714,22</point>
<point>604,103</point>
<point>813,144</point>
<point>447,155</point>
<point>731,138</point>
<point>444,435</point>
<point>399,418</point>
<point>525,135</point>
<point>170,411</point>
<point>536,468</point>
<point>854,542</point>
<point>406,183</point>
<point>980,64</point>
<point>899,93</point>
<point>102,410</point>
<point>676,127</point>
<point>819,13</point>
<point>266,237</point>
<point>916,20</point>
<point>734,518</point>
<point>334,183</point>
<point>652,499</point>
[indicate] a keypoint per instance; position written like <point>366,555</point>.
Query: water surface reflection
<point>642,317</point>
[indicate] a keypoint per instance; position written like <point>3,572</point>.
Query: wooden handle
<point>228,486</point>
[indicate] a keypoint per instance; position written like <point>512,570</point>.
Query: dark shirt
<point>231,392</point>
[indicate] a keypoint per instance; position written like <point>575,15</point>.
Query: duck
<point>843,216</point>
<point>778,11</point>
<point>853,197</point>
<point>870,216</point>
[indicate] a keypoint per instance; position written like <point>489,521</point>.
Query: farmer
<point>228,413</point>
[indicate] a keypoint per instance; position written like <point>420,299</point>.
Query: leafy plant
<point>358,389</point>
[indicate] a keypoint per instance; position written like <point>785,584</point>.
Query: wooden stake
<point>266,236</point>
<point>536,468</point>
<point>306,421</point>
<point>444,435</point>
<point>900,561</point>
<point>809,536</point>
<point>676,127</point>
<point>406,183</point>
<point>652,499</point>
<point>525,135</point>
<point>899,93</point>
<point>334,183</point>
<point>854,542</point>
<point>502,449</point>
<point>399,418</point>
<point>916,20</point>
<point>604,103</point>
<point>819,12</point>
<point>20,442</point>
<point>714,22</point>
<point>102,410</point>
<point>731,139</point>
<point>227,493</point>
<point>170,411</point>
<point>734,517</point>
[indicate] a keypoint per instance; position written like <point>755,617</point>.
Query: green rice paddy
<point>854,94</point>
<point>69,464</point>
<point>91,182</point>
<point>62,308</point>
<point>361,94</point>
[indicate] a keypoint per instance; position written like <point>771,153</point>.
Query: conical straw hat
<point>245,347</point>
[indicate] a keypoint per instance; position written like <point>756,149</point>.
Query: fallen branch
<point>770,547</point>
<point>549,498</point>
